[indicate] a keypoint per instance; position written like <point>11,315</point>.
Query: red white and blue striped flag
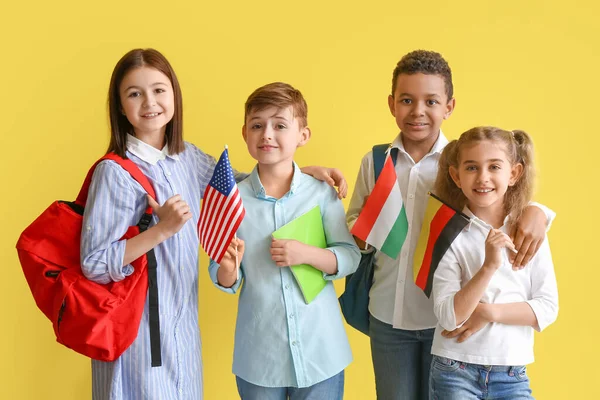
<point>222,210</point>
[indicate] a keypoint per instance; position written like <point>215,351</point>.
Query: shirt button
<point>168,173</point>
<point>294,343</point>
<point>410,196</point>
<point>291,315</point>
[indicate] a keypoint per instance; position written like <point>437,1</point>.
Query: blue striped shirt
<point>279,340</point>
<point>115,202</point>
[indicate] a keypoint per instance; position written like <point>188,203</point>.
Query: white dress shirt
<point>394,297</point>
<point>496,343</point>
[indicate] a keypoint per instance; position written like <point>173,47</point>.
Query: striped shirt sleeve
<point>111,208</point>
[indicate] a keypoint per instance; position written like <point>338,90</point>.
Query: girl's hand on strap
<point>171,215</point>
<point>495,242</point>
<point>528,235</point>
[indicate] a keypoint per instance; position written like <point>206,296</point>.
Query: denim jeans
<point>329,389</point>
<point>401,360</point>
<point>455,380</point>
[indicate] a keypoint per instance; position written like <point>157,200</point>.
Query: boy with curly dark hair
<point>402,321</point>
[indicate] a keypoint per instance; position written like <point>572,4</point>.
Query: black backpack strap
<point>379,154</point>
<point>153,308</point>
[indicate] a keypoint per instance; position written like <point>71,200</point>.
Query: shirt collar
<point>146,152</point>
<point>438,146</point>
<point>259,189</point>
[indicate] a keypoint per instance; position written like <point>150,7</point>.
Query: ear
<point>515,173</point>
<point>305,134</point>
<point>244,133</point>
<point>391,103</point>
<point>454,175</point>
<point>450,108</point>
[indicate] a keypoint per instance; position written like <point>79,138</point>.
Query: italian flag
<point>382,222</point>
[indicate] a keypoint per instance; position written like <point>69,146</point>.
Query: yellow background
<point>531,65</point>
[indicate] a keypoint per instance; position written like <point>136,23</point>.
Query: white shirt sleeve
<point>362,188</point>
<point>446,283</point>
<point>544,291</point>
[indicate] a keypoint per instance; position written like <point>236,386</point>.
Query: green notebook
<point>308,229</point>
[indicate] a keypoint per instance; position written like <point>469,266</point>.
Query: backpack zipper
<point>60,315</point>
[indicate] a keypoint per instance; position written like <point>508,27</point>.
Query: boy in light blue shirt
<point>285,348</point>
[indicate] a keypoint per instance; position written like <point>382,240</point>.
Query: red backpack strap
<point>153,317</point>
<point>128,166</point>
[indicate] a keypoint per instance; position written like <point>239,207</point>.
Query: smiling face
<point>147,101</point>
<point>419,105</point>
<point>484,174</point>
<point>272,135</point>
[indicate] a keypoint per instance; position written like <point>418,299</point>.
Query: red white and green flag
<point>382,222</point>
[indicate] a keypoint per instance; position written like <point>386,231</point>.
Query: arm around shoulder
<point>550,215</point>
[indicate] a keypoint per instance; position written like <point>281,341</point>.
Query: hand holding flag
<point>222,210</point>
<point>441,225</point>
<point>382,223</point>
<point>230,262</point>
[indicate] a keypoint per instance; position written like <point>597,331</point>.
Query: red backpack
<point>98,321</point>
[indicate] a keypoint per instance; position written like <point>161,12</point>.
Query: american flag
<point>222,210</point>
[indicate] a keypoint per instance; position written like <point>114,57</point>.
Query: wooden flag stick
<point>471,219</point>
<point>480,223</point>
<point>237,264</point>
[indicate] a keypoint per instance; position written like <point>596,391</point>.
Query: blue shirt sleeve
<point>339,239</point>
<point>213,269</point>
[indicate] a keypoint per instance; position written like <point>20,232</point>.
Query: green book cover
<point>308,229</point>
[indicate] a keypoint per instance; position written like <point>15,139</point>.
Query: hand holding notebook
<point>307,229</point>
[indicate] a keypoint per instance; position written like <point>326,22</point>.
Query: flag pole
<point>237,264</point>
<point>476,220</point>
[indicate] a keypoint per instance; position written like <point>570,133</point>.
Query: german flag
<point>441,225</point>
